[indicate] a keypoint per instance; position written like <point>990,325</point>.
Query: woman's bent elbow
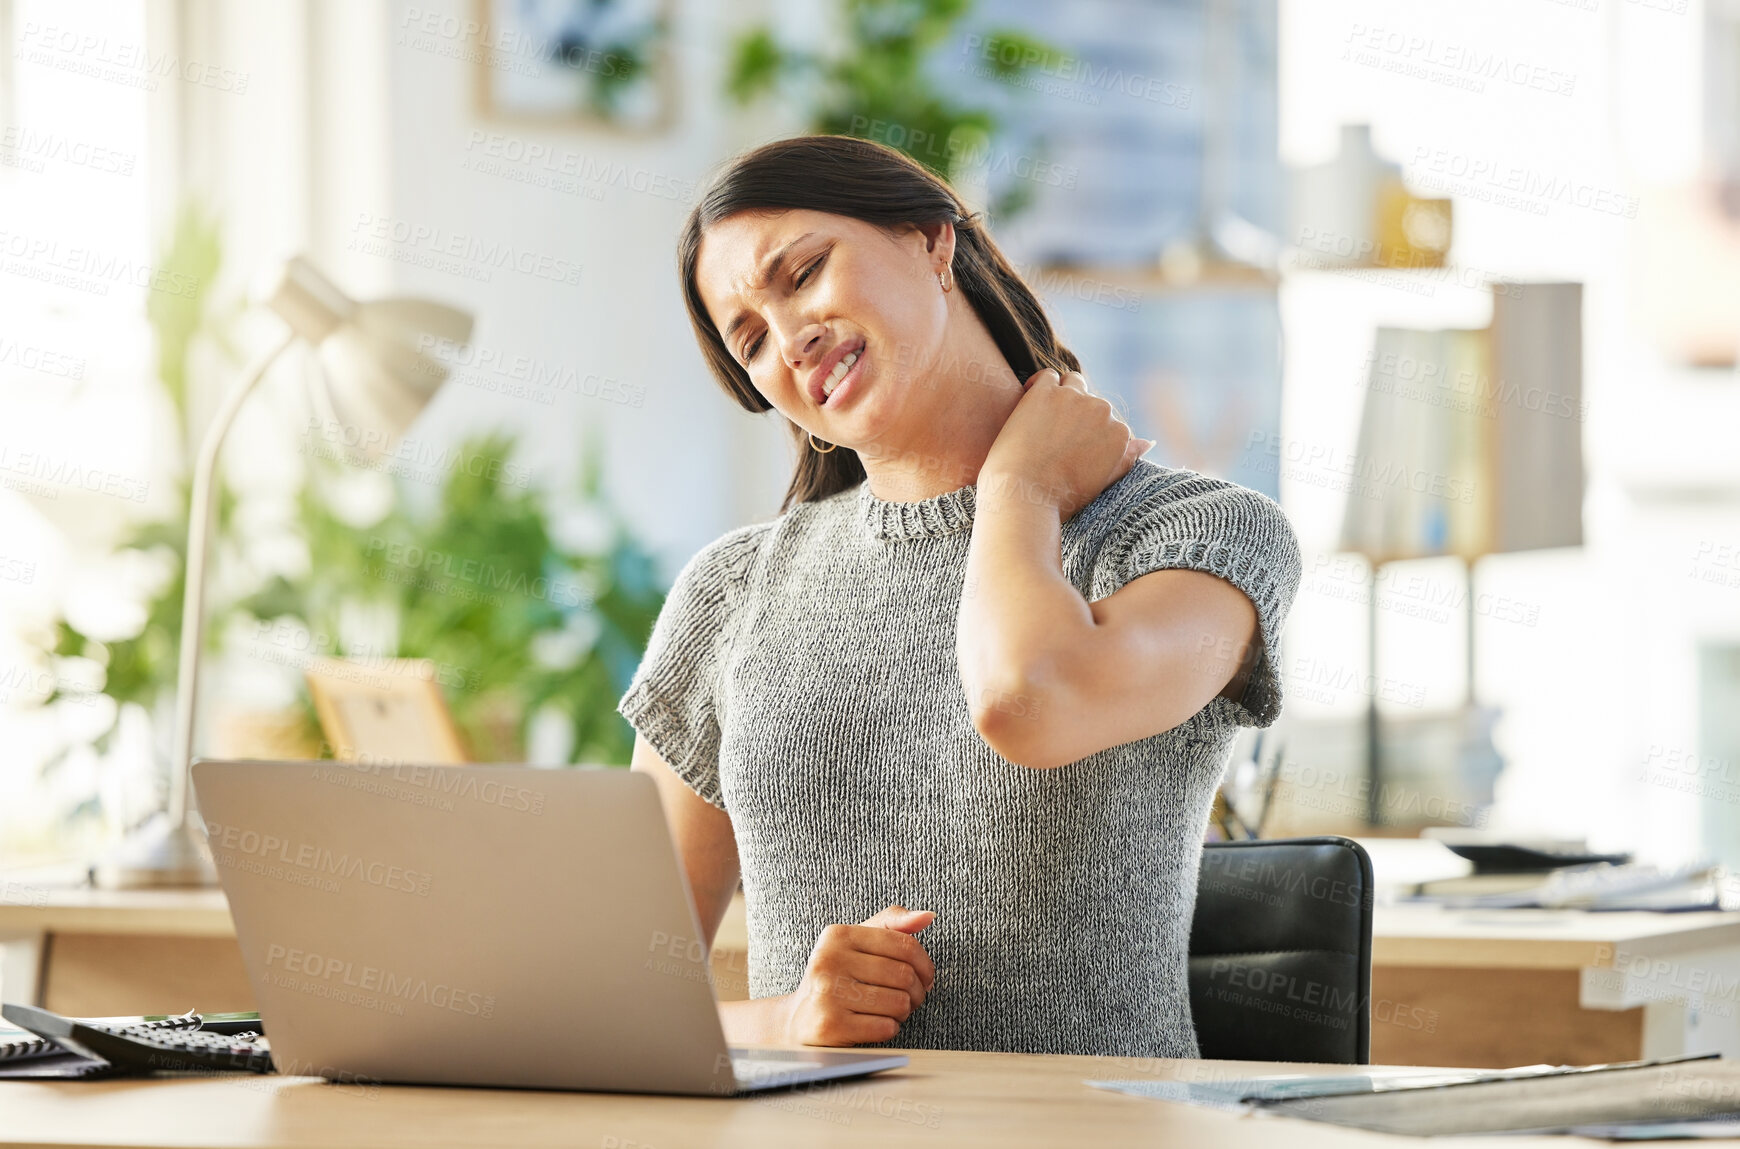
<point>1018,714</point>
<point>1020,738</point>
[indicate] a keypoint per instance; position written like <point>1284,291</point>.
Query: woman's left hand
<point>1061,446</point>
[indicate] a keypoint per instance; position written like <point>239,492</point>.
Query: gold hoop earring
<point>820,450</point>
<point>946,279</point>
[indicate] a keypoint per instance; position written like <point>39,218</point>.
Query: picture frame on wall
<point>577,63</point>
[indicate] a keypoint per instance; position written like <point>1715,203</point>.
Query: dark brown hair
<point>874,183</point>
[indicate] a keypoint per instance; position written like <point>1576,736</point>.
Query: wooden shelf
<point>1150,278</point>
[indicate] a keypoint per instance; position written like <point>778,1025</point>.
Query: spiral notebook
<point>25,1055</point>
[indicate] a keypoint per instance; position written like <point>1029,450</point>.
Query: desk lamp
<point>372,377</point>
<point>1470,444</point>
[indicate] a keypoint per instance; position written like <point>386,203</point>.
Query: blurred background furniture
<point>1470,444</point>
<point>108,953</point>
<point>1558,987</point>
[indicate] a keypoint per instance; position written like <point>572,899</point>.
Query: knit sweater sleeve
<point>1180,520</point>
<point>673,700</point>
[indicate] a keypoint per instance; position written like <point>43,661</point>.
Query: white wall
<point>688,463</point>
<point>362,122</point>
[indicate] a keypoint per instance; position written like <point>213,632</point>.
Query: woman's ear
<point>939,243</point>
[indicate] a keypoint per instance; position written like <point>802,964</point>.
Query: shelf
<point>1148,278</point>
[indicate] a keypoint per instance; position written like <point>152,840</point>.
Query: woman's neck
<point>950,449</point>
<point>951,419</point>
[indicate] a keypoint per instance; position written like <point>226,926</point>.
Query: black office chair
<point>1280,951</point>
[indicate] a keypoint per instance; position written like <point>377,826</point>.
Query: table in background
<point>1517,987</point>
<point>103,953</point>
<point>106,953</point>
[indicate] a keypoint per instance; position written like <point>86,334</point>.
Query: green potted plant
<point>879,84</point>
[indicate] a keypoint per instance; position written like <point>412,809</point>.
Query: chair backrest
<point>1280,951</point>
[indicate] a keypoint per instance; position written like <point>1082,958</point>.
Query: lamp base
<point>159,854</point>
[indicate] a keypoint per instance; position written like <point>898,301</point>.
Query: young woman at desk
<point>957,715</point>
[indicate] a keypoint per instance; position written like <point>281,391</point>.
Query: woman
<point>987,663</point>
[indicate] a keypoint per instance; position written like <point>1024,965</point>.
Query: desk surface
<point>971,1099</point>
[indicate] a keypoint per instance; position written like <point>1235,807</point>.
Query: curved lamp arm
<point>199,530</point>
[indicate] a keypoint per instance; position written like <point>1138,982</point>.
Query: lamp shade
<point>1471,441</point>
<point>378,370</point>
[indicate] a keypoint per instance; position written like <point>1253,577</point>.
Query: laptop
<point>477,925</point>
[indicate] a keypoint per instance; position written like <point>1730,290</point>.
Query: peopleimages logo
<point>24,357</point>
<point>458,568</point>
<point>303,856</point>
<point>445,782</point>
<point>446,250</point>
<point>86,268</point>
<point>1371,476</point>
<point>407,458</point>
<point>37,148</point>
<point>65,474</point>
<point>373,979</point>
<point>89,54</point>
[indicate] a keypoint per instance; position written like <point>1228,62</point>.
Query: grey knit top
<point>802,677</point>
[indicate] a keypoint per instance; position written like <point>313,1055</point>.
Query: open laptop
<point>477,925</point>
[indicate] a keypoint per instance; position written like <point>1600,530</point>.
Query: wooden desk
<point>1515,987</point>
<point>1005,1101</point>
<point>1494,988</point>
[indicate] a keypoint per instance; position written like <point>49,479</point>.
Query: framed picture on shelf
<point>596,63</point>
<point>384,711</point>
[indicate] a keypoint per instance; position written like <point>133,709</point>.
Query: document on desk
<point>1708,1129</point>
<point>1428,1102</point>
<point>1555,1103</point>
<point>1244,1092</point>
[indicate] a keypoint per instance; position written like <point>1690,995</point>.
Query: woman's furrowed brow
<point>769,273</point>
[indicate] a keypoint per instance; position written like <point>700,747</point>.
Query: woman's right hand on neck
<point>1061,446</point>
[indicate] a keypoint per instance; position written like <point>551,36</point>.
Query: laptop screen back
<point>465,925</point>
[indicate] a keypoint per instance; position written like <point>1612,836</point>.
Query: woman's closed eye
<point>802,278</point>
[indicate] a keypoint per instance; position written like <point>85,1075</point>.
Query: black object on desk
<point>1510,858</point>
<point>68,1047</point>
